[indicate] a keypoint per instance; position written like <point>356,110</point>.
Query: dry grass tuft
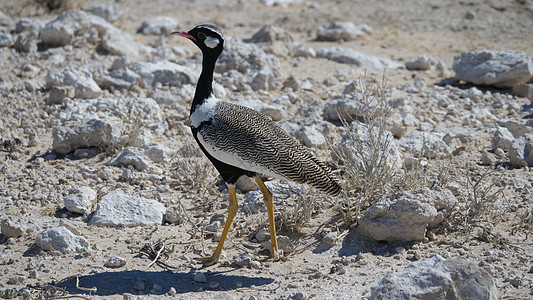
<point>483,203</point>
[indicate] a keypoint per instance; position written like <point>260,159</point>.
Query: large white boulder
<point>86,133</point>
<point>400,217</point>
<point>118,208</point>
<point>498,68</point>
<point>62,240</point>
<point>437,278</point>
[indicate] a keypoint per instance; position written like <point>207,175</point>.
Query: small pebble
<point>200,277</point>
<point>139,286</point>
<point>238,284</point>
<point>516,282</point>
<point>213,285</point>
<point>115,262</point>
<point>171,291</point>
<point>244,259</point>
<point>255,264</point>
<point>299,296</point>
<point>213,227</point>
<point>330,239</point>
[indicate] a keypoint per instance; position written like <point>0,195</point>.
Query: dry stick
<point>157,255</point>
<point>93,289</point>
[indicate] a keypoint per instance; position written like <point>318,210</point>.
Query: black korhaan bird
<point>240,141</point>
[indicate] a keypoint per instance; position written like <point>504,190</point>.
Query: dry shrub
<point>366,159</point>
<point>483,201</point>
<point>304,203</point>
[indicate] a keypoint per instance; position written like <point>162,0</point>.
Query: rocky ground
<point>104,194</point>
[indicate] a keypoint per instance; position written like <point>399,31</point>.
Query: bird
<point>240,141</point>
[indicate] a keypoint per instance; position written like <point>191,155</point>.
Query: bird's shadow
<point>155,283</point>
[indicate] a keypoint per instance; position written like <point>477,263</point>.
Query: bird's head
<point>207,37</point>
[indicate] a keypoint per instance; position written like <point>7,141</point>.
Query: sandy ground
<point>402,30</point>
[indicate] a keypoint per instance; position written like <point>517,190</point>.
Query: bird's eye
<point>201,35</point>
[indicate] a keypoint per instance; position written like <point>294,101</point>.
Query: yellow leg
<point>267,198</point>
<point>232,211</point>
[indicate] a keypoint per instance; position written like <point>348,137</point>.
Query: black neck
<point>204,88</point>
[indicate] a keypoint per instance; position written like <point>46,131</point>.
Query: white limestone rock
<point>502,139</point>
<point>121,78</point>
<point>86,133</point>
<point>437,278</point>
<point>351,107</point>
<point>118,208</point>
<point>521,151</point>
<point>516,128</point>
<point>284,244</point>
<point>497,68</point>
<point>57,94</point>
<point>159,25</point>
<point>158,152</point>
<point>273,39</point>
<point>482,114</point>
<point>304,52</point>
<point>141,158</point>
<point>162,72</point>
<point>82,81</point>
<point>28,24</point>
<point>62,240</point>
<point>72,24</point>
<point>145,109</point>
<point>345,31</point>
<point>421,63</point>
<point>131,156</point>
<point>115,262</point>
<point>109,12</point>
<point>270,34</point>
<point>173,215</point>
<point>118,42</point>
<point>349,56</point>
<point>521,89</point>
<point>26,42</point>
<point>6,39</point>
<point>80,200</point>
<point>442,200</point>
<point>279,2</point>
<point>12,228</point>
<point>400,217</point>
<point>311,136</point>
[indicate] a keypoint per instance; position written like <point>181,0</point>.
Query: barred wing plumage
<point>242,137</point>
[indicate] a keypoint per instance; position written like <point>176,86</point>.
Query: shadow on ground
<point>353,244</point>
<point>118,283</point>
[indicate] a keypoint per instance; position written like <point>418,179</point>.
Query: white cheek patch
<point>211,42</point>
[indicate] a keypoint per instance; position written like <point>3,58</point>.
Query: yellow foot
<point>207,260</point>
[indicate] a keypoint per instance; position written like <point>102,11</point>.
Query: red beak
<point>184,34</point>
